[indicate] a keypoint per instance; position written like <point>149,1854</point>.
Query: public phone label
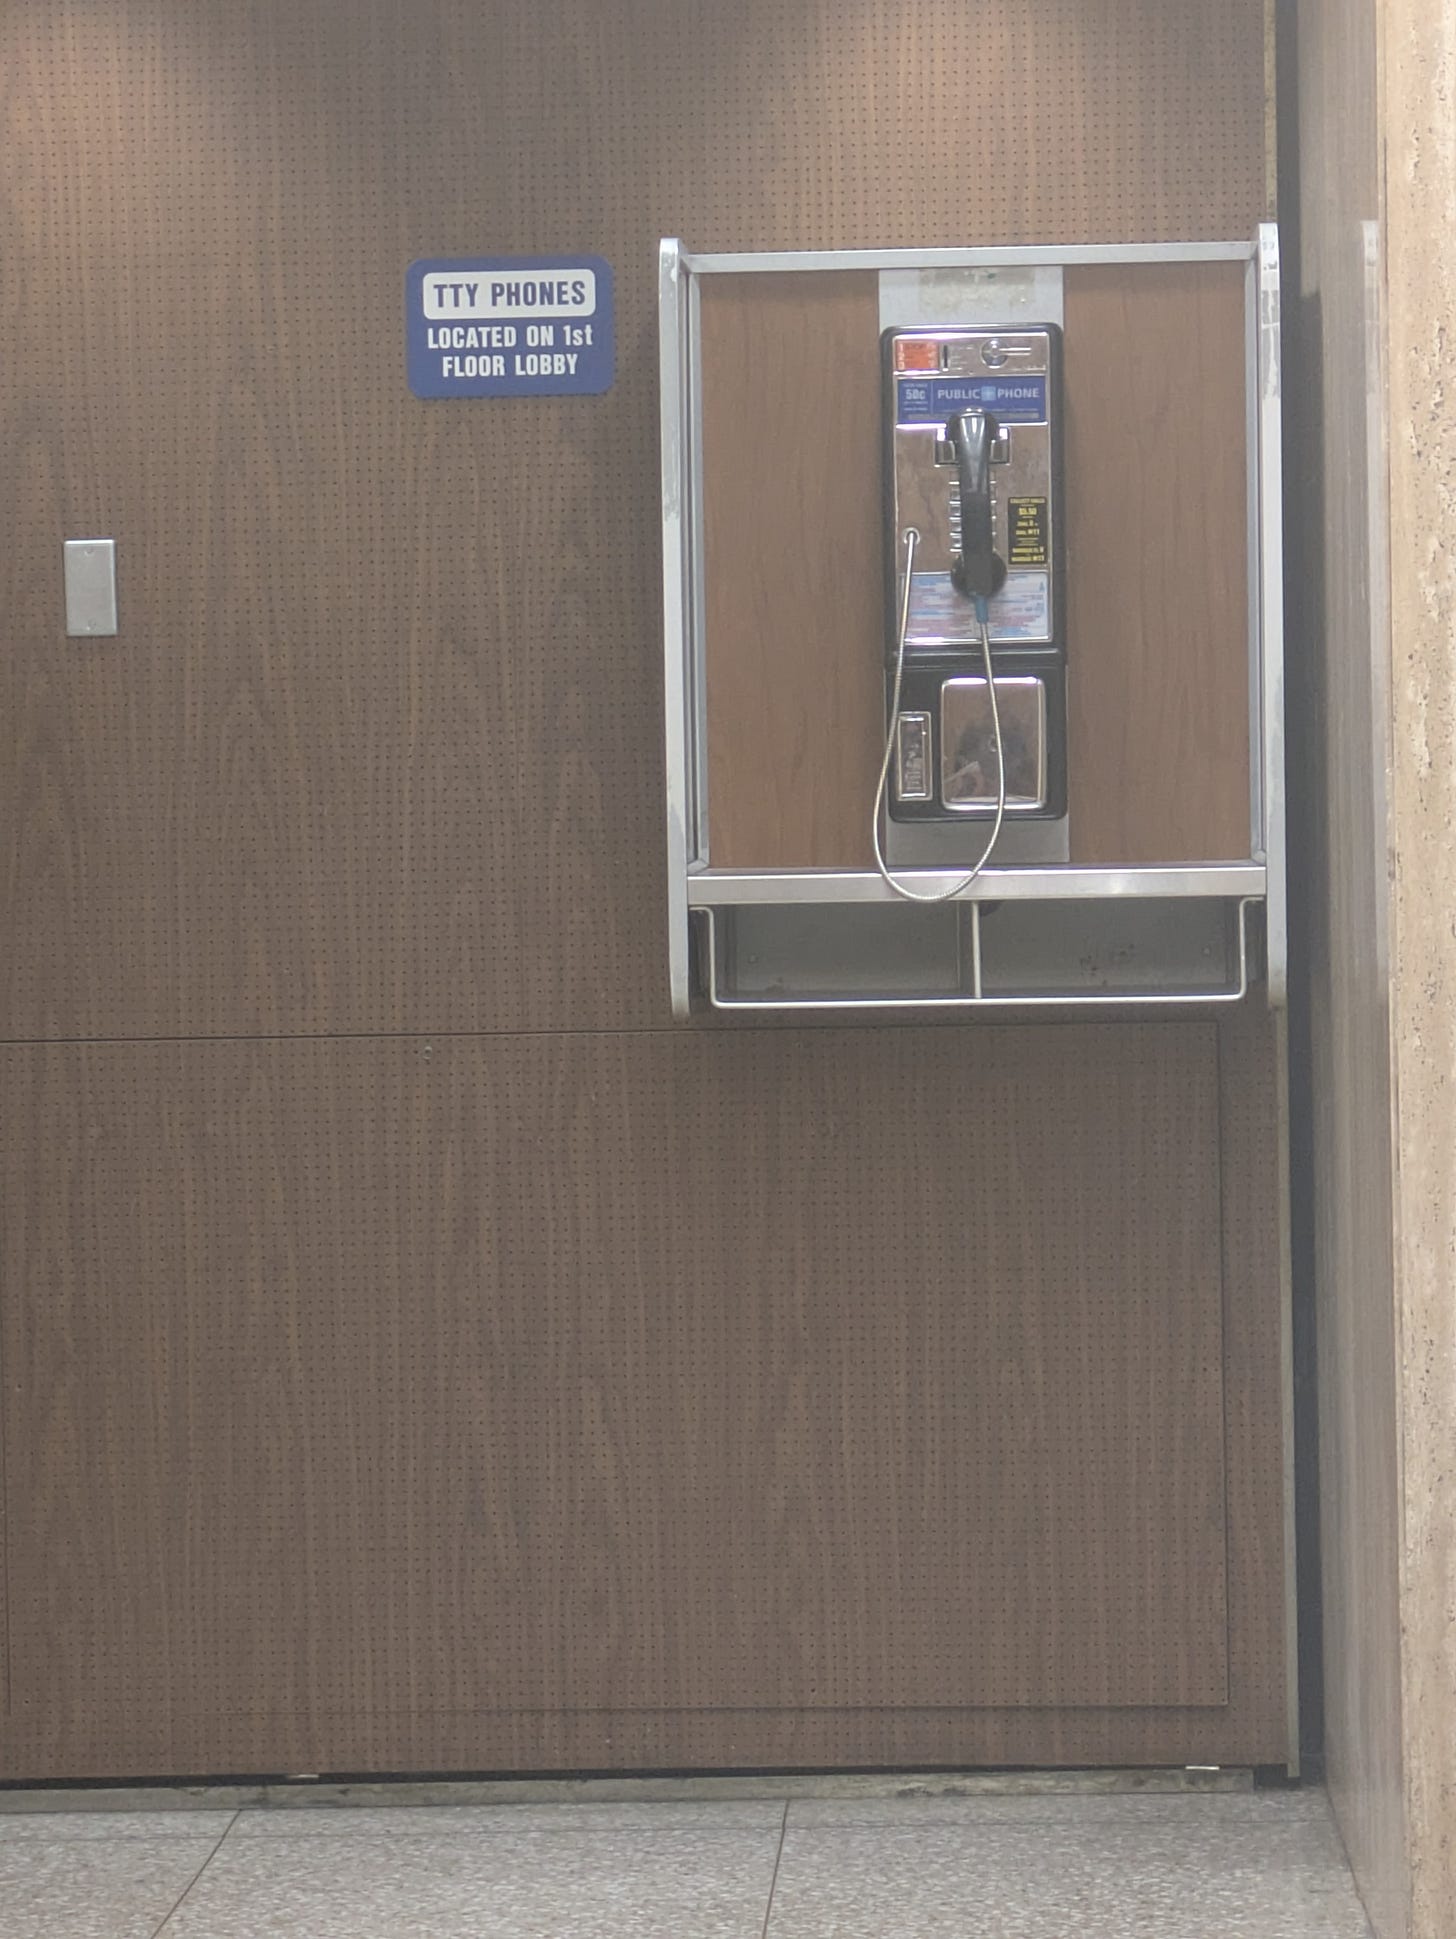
<point>931,400</point>
<point>509,326</point>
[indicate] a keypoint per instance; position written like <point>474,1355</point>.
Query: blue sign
<point>509,326</point>
<point>931,400</point>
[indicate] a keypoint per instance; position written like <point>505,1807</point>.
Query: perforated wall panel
<point>556,1389</point>
<point>377,746</point>
<point>761,1371</point>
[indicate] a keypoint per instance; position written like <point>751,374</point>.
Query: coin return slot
<point>968,744</point>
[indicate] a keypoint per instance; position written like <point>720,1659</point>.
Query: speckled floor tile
<point>643,1883</point>
<point>103,1827</point>
<point>84,1887</point>
<point>1282,1879</point>
<point>1132,1809</point>
<point>513,1820</point>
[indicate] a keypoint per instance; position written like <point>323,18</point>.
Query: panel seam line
<point>778,1861</point>
<point>196,1878</point>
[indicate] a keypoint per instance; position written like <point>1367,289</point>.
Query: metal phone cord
<point>983,619</point>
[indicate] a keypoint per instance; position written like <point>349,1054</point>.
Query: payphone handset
<point>976,686</point>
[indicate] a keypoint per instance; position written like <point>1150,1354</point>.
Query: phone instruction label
<point>1027,542</point>
<point>1020,613</point>
<point>509,326</point>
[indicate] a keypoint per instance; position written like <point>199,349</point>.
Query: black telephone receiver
<point>977,570</point>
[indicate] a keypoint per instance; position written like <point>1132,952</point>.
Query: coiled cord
<point>983,620</point>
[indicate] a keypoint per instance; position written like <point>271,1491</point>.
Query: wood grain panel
<point>305,1407</point>
<point>388,670</point>
<point>1254,1198</point>
<point>338,1355</point>
<point>352,1391</point>
<point>794,578</point>
<point>1157,528</point>
<point>1156,493</point>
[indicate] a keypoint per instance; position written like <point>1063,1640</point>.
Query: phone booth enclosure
<point>1150,616</point>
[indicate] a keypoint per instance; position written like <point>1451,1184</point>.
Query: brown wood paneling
<point>1157,530</point>
<point>1253,1167</point>
<point>331,1356</point>
<point>352,762</point>
<point>1157,533</point>
<point>308,1348</point>
<point>388,669</point>
<point>794,580</point>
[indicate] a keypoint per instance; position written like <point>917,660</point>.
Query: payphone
<point>954,761</point>
<point>976,683</point>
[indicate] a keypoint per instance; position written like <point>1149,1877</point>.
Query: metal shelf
<point>710,888</point>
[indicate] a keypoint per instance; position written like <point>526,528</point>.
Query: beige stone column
<point>1373,524</point>
<point>1336,401</point>
<point>1418,119</point>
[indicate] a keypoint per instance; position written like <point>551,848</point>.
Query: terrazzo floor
<point>1051,1867</point>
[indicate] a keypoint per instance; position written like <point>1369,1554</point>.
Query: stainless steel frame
<point>680,644</point>
<point>1266,493</point>
<point>975,999</point>
<point>723,888</point>
<point>1008,256</point>
<point>694,886</point>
